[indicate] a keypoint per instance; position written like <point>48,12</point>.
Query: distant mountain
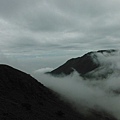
<point>83,65</point>
<point>23,98</point>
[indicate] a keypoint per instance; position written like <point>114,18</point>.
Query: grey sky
<point>57,29</point>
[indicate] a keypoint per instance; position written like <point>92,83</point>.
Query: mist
<point>102,94</point>
<point>97,93</point>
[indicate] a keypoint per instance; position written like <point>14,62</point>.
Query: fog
<point>96,93</point>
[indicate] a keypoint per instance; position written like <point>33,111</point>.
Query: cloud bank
<point>99,94</point>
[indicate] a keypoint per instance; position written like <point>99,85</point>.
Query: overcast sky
<point>49,32</point>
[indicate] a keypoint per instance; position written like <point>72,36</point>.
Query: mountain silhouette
<point>82,65</point>
<point>24,98</point>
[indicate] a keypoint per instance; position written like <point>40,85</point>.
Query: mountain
<point>23,98</point>
<point>84,64</point>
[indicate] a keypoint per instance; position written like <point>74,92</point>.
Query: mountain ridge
<point>24,98</point>
<point>83,65</point>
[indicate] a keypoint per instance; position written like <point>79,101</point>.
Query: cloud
<point>43,70</point>
<point>98,94</point>
<point>66,27</point>
<point>83,94</point>
<point>37,34</point>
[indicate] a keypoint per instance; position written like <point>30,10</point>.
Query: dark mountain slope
<point>82,65</point>
<point>23,98</point>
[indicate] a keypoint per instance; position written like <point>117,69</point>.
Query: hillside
<point>84,64</point>
<point>23,98</point>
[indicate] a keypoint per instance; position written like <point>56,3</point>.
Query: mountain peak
<point>83,64</point>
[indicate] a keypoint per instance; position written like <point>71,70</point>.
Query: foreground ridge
<point>23,98</point>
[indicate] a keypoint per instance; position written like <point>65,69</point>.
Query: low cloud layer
<point>85,94</point>
<point>99,94</point>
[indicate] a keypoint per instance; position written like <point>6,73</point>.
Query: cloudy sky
<point>45,33</point>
